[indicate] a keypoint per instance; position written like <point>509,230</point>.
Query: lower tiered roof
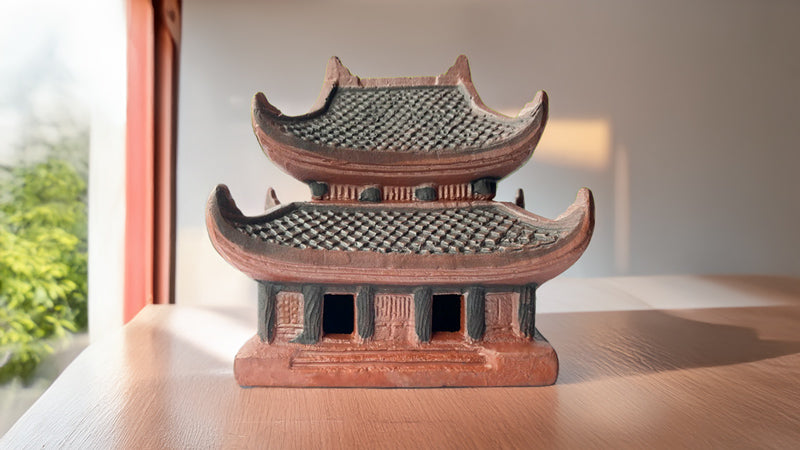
<point>434,243</point>
<point>395,229</point>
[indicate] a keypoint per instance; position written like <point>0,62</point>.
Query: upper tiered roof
<point>399,131</point>
<point>415,119</point>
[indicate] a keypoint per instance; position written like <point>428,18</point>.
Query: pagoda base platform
<point>370,364</point>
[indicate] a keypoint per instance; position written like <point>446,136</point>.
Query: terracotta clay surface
<point>540,249</point>
<point>401,271</point>
<point>343,364</point>
<point>392,156</point>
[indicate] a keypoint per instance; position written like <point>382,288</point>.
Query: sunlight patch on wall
<point>582,144</point>
<point>576,143</point>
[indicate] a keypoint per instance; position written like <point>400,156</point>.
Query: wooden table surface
<point>703,375</point>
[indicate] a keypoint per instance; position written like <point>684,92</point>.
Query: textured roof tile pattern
<point>476,230</point>
<point>424,119</point>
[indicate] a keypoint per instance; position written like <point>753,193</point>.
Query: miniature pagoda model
<point>401,271</point>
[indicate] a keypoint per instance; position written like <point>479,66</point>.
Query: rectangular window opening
<point>446,313</point>
<point>338,314</point>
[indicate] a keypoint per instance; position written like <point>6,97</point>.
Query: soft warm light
<point>576,143</point>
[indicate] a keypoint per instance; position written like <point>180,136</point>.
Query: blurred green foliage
<point>43,262</point>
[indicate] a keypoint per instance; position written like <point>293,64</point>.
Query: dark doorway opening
<point>338,314</point>
<point>446,313</point>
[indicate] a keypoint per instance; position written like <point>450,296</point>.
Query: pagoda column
<point>476,312</point>
<point>365,310</point>
<point>423,313</point>
<point>527,310</point>
<point>267,293</point>
<point>312,315</point>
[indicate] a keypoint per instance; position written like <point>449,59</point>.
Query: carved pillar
<point>312,315</point>
<point>266,310</point>
<point>423,313</point>
<point>476,312</point>
<point>527,310</point>
<point>365,309</point>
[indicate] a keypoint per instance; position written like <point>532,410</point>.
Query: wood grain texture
<point>724,377</point>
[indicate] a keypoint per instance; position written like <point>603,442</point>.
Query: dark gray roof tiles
<point>467,230</point>
<point>420,118</point>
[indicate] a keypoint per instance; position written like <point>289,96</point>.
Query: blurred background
<point>62,92</point>
<point>681,116</point>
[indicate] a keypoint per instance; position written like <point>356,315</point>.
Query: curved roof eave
<point>270,262</point>
<point>311,160</point>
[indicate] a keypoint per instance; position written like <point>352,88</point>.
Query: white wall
<point>106,61</point>
<point>681,116</point>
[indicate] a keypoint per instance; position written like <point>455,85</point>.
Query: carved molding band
<point>352,192</point>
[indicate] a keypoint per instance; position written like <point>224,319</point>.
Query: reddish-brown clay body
<point>263,260</point>
<point>524,363</point>
<point>307,160</point>
<point>401,271</point>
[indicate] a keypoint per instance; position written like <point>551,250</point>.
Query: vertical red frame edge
<point>167,45</point>
<point>153,29</point>
<point>139,159</point>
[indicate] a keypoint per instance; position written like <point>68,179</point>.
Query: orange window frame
<point>153,56</point>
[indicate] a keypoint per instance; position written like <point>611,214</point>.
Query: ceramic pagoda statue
<point>401,270</point>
